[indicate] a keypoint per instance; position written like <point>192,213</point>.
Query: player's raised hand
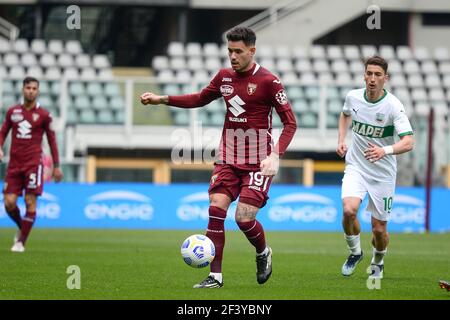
<point>269,166</point>
<point>57,174</point>
<point>374,153</point>
<point>341,150</point>
<point>151,98</point>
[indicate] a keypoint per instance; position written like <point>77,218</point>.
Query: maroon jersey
<point>28,126</point>
<point>250,98</point>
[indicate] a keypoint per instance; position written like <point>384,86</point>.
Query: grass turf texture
<point>141,264</point>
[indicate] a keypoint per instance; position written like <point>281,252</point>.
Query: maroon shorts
<point>28,178</point>
<point>249,184</point>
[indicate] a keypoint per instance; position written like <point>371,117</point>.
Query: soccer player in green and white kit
<point>371,167</point>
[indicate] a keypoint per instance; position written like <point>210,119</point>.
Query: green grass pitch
<point>146,264</point>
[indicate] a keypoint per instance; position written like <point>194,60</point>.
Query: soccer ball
<point>198,251</point>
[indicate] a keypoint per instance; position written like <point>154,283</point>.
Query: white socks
<point>353,244</point>
<point>378,256</point>
<point>217,276</point>
<point>265,252</point>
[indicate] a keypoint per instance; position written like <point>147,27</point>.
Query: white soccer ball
<point>198,251</point>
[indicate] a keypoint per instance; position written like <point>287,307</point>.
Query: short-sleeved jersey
<point>374,122</point>
<point>28,127</point>
<point>250,98</point>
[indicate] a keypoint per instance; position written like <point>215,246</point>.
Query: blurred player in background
<point>28,122</point>
<point>371,167</point>
<point>246,169</point>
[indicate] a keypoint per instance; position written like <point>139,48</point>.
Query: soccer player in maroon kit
<point>28,122</point>
<point>245,168</point>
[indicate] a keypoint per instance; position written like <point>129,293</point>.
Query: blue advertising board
<point>185,206</point>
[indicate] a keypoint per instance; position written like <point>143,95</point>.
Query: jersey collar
<point>376,101</point>
<point>249,72</point>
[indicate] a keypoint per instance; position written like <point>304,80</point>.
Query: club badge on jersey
<point>251,88</point>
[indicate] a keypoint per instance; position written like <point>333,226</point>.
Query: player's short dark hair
<point>244,34</point>
<point>27,80</point>
<point>377,61</point>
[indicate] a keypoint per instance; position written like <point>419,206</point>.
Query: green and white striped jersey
<point>374,122</point>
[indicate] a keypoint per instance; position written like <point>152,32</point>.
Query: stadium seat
<point>404,53</point>
<point>46,101</point>
<point>193,49</point>
<point>52,73</point>
<point>444,68</point>
<point>429,67</point>
<point>332,121</point>
<point>73,47</point>
<point>289,78</point>
<point>100,61</point>
<point>94,88</point>
<point>88,74</point>
<point>112,89</point>
<point>65,60</point>
<point>119,117</point>
<point>421,53</point>
<point>320,65</point>
<point>105,74</point>
<point>299,52</point>
<point>441,54</point>
<point>200,76</point>
<point>100,102</point>
<point>117,103</point>
<point>415,81</point>
<point>351,52</point>
<point>48,60</point>
<point>44,88</point>
<point>35,71</point>
<point>181,119</point>
<point>212,64</point>
<point>8,87</point>
<point>334,52</point>
<point>183,76</point>
<point>28,59</point>
<point>83,60</point>
<point>11,59</point>
<point>195,63</point>
<point>5,45</point>
<point>419,95</point>
<point>437,94</point>
<point>211,50</point>
<point>325,78</point>
<point>335,106</point>
<point>284,65</point>
<point>16,72</point>
<point>308,120</point>
<point>264,51</point>
<point>317,52</point>
<point>55,47</point>
<point>432,81</point>
<point>357,67</point>
<point>171,89</point>
<point>87,116</point>
<point>395,67</point>
<point>308,78</point>
<point>105,116</point>
<point>294,92</point>
<point>387,52</point>
<point>82,102</point>
<point>55,87</point>
<point>21,46</point>
<point>160,63</point>
<point>76,88</point>
<point>38,46</point>
<point>175,49</point>
<point>268,63</point>
<point>300,105</point>
<point>71,73</point>
<point>303,65</point>
<point>177,63</point>
<point>72,116</point>
<point>368,51</point>
<point>283,52</point>
<point>339,65</point>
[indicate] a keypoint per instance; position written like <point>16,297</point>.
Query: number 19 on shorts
<point>388,204</point>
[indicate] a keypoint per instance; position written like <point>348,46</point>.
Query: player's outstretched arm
<point>151,98</point>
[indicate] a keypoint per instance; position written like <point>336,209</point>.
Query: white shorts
<point>381,194</point>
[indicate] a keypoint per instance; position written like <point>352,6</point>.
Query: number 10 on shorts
<point>388,203</point>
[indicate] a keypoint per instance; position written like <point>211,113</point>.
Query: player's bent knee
<point>219,200</point>
<point>378,231</point>
<point>350,212</point>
